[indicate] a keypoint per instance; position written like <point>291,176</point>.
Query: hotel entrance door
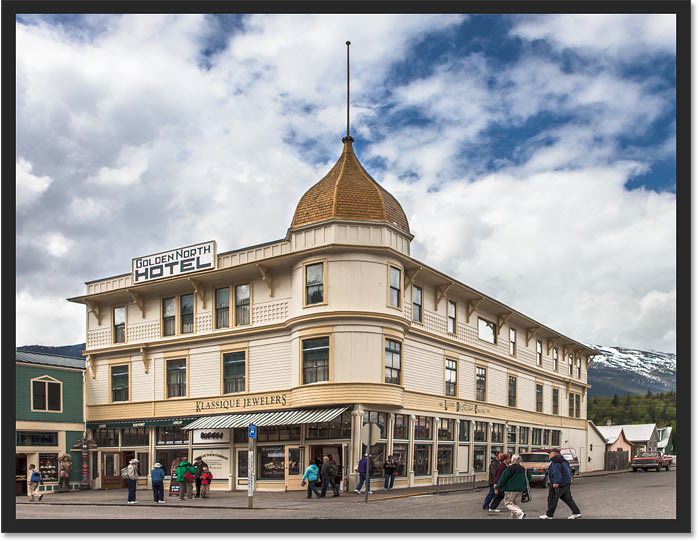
<point>112,463</point>
<point>295,467</point>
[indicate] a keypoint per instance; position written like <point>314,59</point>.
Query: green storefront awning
<point>116,424</point>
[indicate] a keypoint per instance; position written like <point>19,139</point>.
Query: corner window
<point>314,283</point>
<point>451,317</point>
<point>394,289</point>
<point>450,384</point>
<point>187,313</point>
<point>554,401</point>
<point>119,324</point>
<point>487,330</point>
<point>169,311</point>
<point>512,391</point>
<point>176,377</point>
<point>233,372</point>
<point>242,305</point>
<point>222,307</point>
<point>539,398</point>
<point>513,342</point>
<point>316,360</point>
<point>417,303</point>
<point>120,382</point>
<point>392,367</point>
<point>539,349</point>
<point>480,384</point>
<point>555,359</point>
<point>47,394</point>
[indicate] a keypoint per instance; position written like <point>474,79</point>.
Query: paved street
<point>613,496</point>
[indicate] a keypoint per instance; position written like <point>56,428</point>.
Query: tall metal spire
<point>348,137</point>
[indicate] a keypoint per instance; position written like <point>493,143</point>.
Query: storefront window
<point>143,463</point>
<point>511,450</point>
<point>494,452</point>
<point>36,438</point>
<point>555,438</point>
<point>497,434</point>
<point>511,434</point>
<point>48,466</point>
<point>172,434</point>
<point>134,436</point>
<point>170,458</point>
<point>340,427</point>
<point>547,436</point>
<point>379,418</point>
<point>480,432</point>
<point>464,431</point>
<point>243,464</point>
<point>423,428</point>
<point>400,456</point>
<point>523,449</point>
<point>421,459</point>
<point>446,429</point>
<point>378,456</point>
<point>479,458</point>
<point>271,462</point>
<point>445,459</point>
<point>524,435</point>
<point>400,429</point>
<point>106,437</point>
<point>536,437</point>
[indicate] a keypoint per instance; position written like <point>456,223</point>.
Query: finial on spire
<point>348,137</point>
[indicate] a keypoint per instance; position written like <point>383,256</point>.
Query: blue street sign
<point>252,430</point>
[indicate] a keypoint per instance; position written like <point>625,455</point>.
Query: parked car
<point>537,463</point>
<point>569,455</point>
<point>651,460</point>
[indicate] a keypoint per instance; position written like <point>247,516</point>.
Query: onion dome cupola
<point>348,192</point>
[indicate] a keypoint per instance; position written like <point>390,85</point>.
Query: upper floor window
<point>222,307</point>
<point>233,372</point>
<point>120,382</point>
<point>119,324</point>
<point>555,359</point>
<point>316,360</point>
<point>513,341</point>
<point>577,405</point>
<point>176,376</point>
<point>169,313</point>
<point>451,317</point>
<point>487,330</point>
<point>570,364</point>
<point>394,289</point>
<point>554,401</point>
<point>571,405</point>
<point>539,349</point>
<point>417,303</point>
<point>480,384</point>
<point>392,362</point>
<point>450,378</point>
<point>315,283</point>
<point>578,365</point>
<point>242,304</point>
<point>187,313</point>
<point>512,391</point>
<point>47,394</point>
<point>539,398</point>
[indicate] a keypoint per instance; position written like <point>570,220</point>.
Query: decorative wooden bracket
<point>566,351</point>
<point>550,343</point>
<point>94,308</point>
<point>441,294</point>
<point>144,357</point>
<point>503,318</point>
<point>471,306</point>
<point>531,333</point>
<point>266,277</point>
<point>199,290</point>
<point>138,299</point>
<point>410,276</point>
<point>91,365</point>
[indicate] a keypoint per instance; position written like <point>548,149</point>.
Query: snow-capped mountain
<point>625,370</point>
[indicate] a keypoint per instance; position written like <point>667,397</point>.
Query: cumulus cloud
<point>29,187</point>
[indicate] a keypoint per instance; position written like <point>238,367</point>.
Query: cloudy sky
<point>533,155</point>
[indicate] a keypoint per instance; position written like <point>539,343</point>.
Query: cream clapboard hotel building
<point>312,336</point>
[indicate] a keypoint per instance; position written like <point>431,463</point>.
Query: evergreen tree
<point>615,400</point>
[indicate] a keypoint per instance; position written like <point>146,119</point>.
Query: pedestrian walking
<point>389,473</point>
<point>157,476</point>
<point>34,481</point>
<point>499,495</point>
<point>199,465</point>
<point>132,480</point>
<point>494,465</point>
<point>512,483</point>
<point>319,462</point>
<point>364,470</point>
<point>559,479</point>
<point>311,475</point>
<point>327,474</point>
<point>185,476</point>
<point>206,478</point>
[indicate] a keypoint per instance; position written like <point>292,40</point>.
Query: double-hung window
<point>539,349</point>
<point>233,372</point>
<point>187,313</point>
<point>316,360</point>
<point>176,377</point>
<point>554,401</point>
<point>512,391</point>
<point>571,405</point>
<point>513,341</point>
<point>315,283</point>
<point>577,405</point>
<point>394,297</point>
<point>539,398</point>
<point>555,359</point>
<point>242,304</point>
<point>393,362</point>
<point>417,303</point>
<point>120,382</point>
<point>570,364</point>
<point>451,317</point>
<point>450,380</point>
<point>480,384</point>
<point>169,314</point>
<point>119,324</point>
<point>578,366</point>
<point>222,307</point>
<point>487,330</point>
<point>47,394</point>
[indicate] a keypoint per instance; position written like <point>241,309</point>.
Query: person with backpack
<point>389,473</point>
<point>130,472</point>
<point>511,484</point>
<point>185,476</point>
<point>311,475</point>
<point>559,486</point>
<point>199,465</point>
<point>157,475</point>
<point>327,473</point>
<point>34,481</point>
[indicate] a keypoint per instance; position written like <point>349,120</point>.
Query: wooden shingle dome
<point>349,192</point>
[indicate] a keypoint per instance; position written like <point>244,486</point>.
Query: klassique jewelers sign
<point>179,261</point>
<point>242,402</point>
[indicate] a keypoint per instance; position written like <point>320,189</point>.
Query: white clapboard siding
<point>466,377</point>
<point>99,392</point>
<point>547,398</point>
<point>270,365</point>
<point>204,371</point>
<point>158,368</point>
<point>141,383</point>
<point>358,356</point>
<point>422,368</point>
<point>526,392</point>
<point>497,384</point>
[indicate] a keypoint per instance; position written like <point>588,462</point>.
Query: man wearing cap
<point>364,469</point>
<point>559,488</point>
<point>157,475</point>
<point>198,468</point>
<point>132,480</point>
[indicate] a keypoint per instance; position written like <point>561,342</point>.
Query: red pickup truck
<point>651,460</point>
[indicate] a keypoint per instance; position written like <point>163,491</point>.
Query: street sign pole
<point>252,434</point>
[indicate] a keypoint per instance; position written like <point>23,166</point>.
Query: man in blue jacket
<point>559,486</point>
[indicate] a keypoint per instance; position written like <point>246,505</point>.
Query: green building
<point>49,418</point>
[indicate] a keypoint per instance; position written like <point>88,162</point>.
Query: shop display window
<point>494,452</point>
<point>271,462</point>
<point>172,434</point>
<point>446,429</point>
<point>555,438</point>
<point>134,436</point>
<point>536,437</point>
<point>479,458</point>
<point>378,457</point>
<point>242,463</point>
<point>106,437</point>
<point>498,432</point>
<point>445,459</point>
<point>400,428</point>
<point>423,428</point>
<point>464,430</point>
<point>400,456</point>
<point>169,458</point>
<point>340,427</point>
<point>524,435</point>
<point>422,459</point>
<point>480,432</point>
<point>379,418</point>
<point>37,438</point>
<point>511,434</point>
<point>48,466</point>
